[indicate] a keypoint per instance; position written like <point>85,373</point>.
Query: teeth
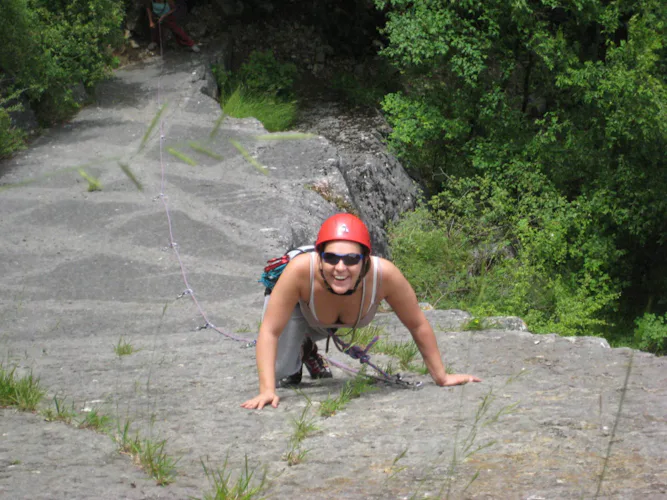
<point>340,278</point>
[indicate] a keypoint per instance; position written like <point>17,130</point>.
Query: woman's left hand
<point>459,379</point>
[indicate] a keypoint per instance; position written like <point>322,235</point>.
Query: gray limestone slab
<point>81,272</point>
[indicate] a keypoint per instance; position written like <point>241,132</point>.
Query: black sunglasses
<point>349,259</point>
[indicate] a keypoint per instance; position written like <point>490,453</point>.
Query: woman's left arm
<point>402,298</point>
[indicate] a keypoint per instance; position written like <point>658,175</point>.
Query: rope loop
<point>356,352</point>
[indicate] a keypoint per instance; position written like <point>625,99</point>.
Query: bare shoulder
<point>388,269</point>
<point>391,277</point>
<point>298,268</point>
<point>301,261</point>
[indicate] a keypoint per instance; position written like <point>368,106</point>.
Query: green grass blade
<point>154,122</point>
<point>126,170</point>
<point>93,183</point>
<point>201,149</point>
<point>56,172</point>
<point>181,156</point>
<point>249,158</point>
<point>217,125</point>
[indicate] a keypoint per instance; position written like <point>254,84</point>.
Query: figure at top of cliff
<point>161,15</point>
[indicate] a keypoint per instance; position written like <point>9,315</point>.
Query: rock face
<point>376,183</point>
<point>82,271</point>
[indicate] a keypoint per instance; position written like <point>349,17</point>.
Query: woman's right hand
<point>459,379</point>
<point>258,402</point>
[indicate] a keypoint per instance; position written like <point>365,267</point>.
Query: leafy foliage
<point>48,47</point>
<point>262,88</point>
<point>540,130</point>
<point>651,333</point>
<point>24,393</point>
<point>262,73</point>
<point>11,138</point>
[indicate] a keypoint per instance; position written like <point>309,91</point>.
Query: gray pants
<point>288,358</point>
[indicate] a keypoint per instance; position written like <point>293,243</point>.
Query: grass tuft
<point>60,412</point>
<point>276,115</point>
<point>303,427</point>
<point>404,351</point>
<point>200,148</point>
<point>155,461</point>
<point>244,488</point>
<point>152,126</point>
<point>352,389</point>
<point>96,421</point>
<point>24,393</point>
<point>124,348</point>
<point>149,454</point>
<point>126,170</point>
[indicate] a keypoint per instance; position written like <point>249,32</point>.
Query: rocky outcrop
<point>377,184</point>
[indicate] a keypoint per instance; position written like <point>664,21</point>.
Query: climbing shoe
<point>315,364</point>
<point>291,380</point>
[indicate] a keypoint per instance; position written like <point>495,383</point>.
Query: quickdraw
<point>357,352</point>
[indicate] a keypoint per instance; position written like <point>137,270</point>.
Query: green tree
<point>560,107</point>
<point>47,47</point>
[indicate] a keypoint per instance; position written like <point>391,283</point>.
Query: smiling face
<point>341,277</point>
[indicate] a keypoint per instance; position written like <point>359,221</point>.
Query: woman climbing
<point>338,285</point>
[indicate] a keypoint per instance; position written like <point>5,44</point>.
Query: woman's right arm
<point>284,299</point>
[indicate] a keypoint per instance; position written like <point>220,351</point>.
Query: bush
<point>651,333</point>
<point>225,80</point>
<point>262,88</point>
<point>435,261</point>
<point>263,74</point>
<point>49,46</point>
<point>475,247</point>
<point>564,110</point>
<point>11,138</point>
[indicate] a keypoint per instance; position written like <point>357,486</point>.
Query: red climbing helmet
<point>344,227</point>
